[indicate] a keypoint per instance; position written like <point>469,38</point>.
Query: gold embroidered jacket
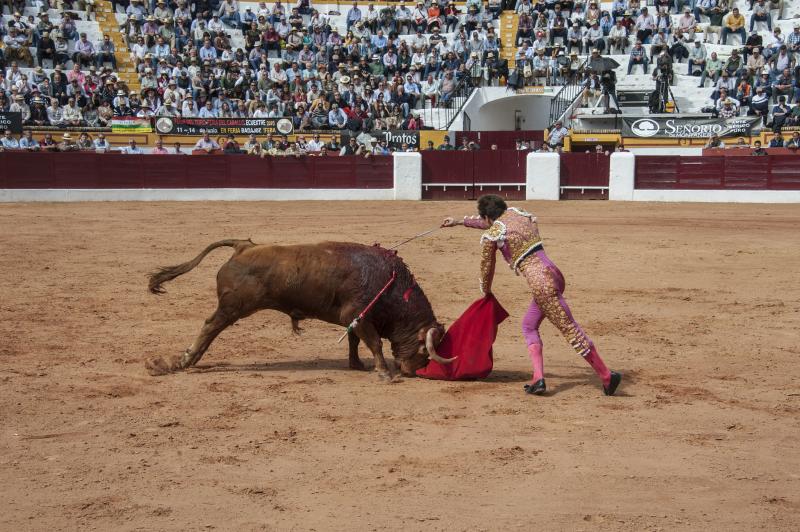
<point>515,234</point>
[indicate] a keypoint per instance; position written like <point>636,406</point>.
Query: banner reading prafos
<point>222,126</point>
<point>687,128</point>
<point>394,138</point>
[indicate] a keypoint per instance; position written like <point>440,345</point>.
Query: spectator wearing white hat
<point>19,106</point>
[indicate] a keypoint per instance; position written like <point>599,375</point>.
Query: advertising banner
<point>394,138</point>
<point>222,126</point>
<point>12,121</point>
<point>130,124</point>
<point>688,127</point>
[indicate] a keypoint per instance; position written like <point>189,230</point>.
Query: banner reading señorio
<point>222,126</point>
<point>687,128</point>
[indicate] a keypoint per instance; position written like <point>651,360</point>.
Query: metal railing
<point>456,101</point>
<point>566,96</point>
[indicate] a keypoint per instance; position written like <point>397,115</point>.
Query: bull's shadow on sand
<point>557,382</point>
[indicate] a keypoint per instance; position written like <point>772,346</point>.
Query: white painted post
<point>622,169</point>
<point>543,176</point>
<point>407,176</point>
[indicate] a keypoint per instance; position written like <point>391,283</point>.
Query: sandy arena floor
<point>698,305</point>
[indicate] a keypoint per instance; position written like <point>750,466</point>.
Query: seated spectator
<point>757,149</point>
<point>697,58</point>
<point>72,115</point>
<point>776,141</point>
<point>759,105</point>
<point>101,145</point>
<point>231,145</point>
<point>19,106</point>
<point>84,52</point>
<point>780,113</point>
<point>48,143</point>
<point>16,47</point>
<point>67,143</point>
<point>132,148</point>
<point>733,23</point>
<point>638,56</point>
<point>794,142</point>
<point>783,86</point>
<point>159,148</point>
<point>618,37</point>
<point>84,142</point>
<point>206,144</point>
<point>105,52</point>
<point>761,13</point>
<point>728,110</point>
<point>716,14</point>
<point>714,142</point>
<point>27,142</point>
<point>9,142</point>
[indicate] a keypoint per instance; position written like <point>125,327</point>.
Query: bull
<point>329,281</point>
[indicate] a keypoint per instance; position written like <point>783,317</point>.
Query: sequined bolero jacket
<point>515,234</point>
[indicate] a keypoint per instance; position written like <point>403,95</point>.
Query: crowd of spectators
<point>295,62</point>
<point>778,140</point>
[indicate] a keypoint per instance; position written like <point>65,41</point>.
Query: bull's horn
<point>432,349</point>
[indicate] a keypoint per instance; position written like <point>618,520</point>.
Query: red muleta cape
<point>470,339</point>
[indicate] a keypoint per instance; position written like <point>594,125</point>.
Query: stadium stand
<point>390,65</point>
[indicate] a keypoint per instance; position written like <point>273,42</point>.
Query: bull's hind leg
<point>355,361</point>
<point>366,332</point>
<point>218,322</point>
<point>211,329</point>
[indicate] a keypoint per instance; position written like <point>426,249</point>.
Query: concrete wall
<point>193,194</point>
<point>492,109</point>
<point>543,176</point>
<point>543,171</point>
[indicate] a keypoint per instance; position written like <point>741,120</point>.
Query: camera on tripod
<point>608,79</point>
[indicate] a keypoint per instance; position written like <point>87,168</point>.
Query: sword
<point>415,237</point>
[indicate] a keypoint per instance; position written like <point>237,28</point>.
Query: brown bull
<point>330,281</point>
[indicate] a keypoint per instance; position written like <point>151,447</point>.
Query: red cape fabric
<point>470,339</point>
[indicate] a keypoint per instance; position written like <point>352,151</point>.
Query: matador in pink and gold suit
<point>516,234</point>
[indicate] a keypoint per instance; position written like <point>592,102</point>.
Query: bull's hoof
<point>385,377</point>
<point>358,365</point>
<point>158,366</point>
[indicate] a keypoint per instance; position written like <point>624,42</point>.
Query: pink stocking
<point>598,365</point>
<point>535,352</point>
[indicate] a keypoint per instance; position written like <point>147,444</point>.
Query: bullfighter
<point>516,234</point>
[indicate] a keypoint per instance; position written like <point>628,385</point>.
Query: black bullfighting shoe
<point>537,388</point>
<point>616,378</point>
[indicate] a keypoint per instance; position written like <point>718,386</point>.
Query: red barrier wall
<point>584,170</point>
<point>113,171</point>
<point>505,140</point>
<point>473,173</point>
<point>771,172</point>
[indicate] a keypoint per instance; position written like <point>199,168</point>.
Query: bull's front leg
<point>367,333</point>
<point>355,361</point>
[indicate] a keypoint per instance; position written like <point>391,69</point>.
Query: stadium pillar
<point>543,176</point>
<point>407,176</point>
<point>622,169</point>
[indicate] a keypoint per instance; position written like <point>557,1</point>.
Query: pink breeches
<point>547,284</point>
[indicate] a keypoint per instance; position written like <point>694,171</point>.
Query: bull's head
<point>428,338</point>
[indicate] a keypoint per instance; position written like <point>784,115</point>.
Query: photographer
<point>662,75</point>
<point>663,70</point>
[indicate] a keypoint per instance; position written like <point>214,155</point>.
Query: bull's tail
<point>162,275</point>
